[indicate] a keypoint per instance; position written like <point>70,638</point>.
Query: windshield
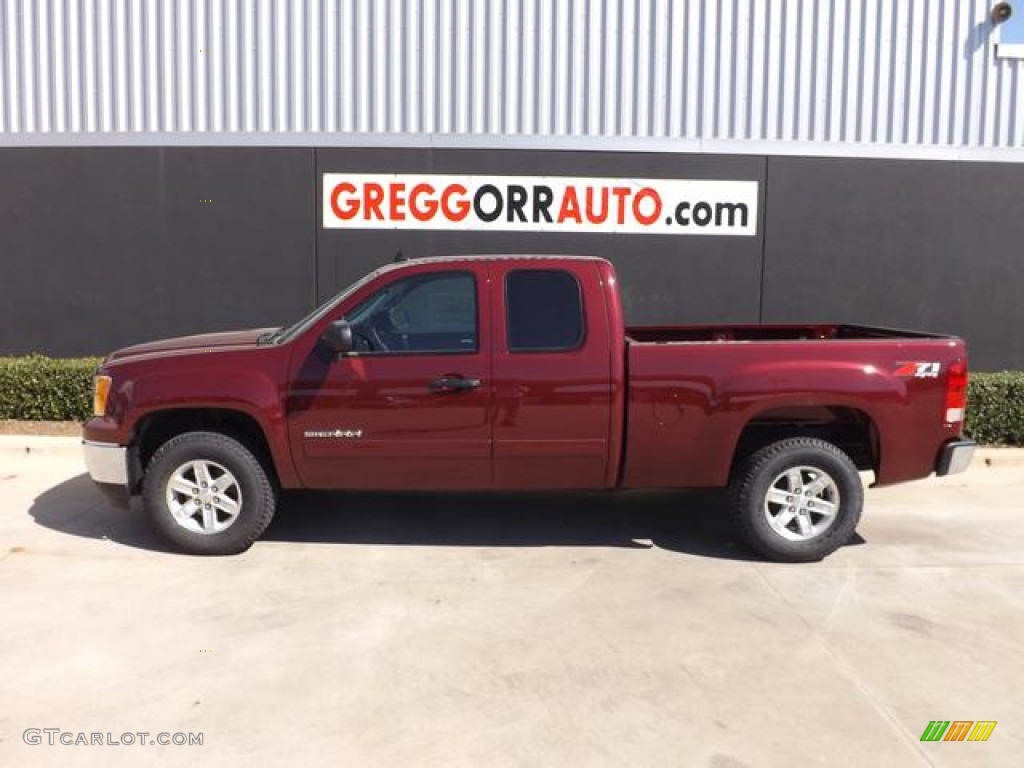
<point>283,335</point>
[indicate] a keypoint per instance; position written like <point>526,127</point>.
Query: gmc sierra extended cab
<point>519,373</point>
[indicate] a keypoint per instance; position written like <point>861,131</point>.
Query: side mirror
<point>338,337</point>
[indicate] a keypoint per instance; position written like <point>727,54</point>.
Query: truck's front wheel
<point>797,500</point>
<point>208,493</point>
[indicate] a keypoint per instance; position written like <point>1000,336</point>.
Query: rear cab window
<point>544,311</point>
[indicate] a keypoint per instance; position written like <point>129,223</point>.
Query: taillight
<point>956,392</point>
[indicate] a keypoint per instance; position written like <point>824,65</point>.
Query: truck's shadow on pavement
<point>695,523</point>
<point>75,507</point>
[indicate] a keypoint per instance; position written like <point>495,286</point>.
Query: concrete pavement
<point>570,630</point>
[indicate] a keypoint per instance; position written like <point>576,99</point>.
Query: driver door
<point>408,409</point>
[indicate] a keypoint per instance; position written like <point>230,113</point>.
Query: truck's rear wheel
<point>208,493</point>
<point>797,500</point>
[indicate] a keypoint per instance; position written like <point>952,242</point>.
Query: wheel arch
<point>156,428</point>
<point>850,429</point>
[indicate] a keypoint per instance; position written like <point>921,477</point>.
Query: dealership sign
<point>539,204</point>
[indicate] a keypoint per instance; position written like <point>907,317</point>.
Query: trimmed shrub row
<point>995,408</point>
<point>38,388</point>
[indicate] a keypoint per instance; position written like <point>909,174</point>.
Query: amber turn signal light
<point>101,388</point>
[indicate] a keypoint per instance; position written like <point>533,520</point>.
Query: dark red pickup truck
<point>518,372</point>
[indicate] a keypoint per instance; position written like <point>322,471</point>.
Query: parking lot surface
<point>466,630</point>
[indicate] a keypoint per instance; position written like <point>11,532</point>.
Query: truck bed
<point>715,333</point>
<point>690,388</point>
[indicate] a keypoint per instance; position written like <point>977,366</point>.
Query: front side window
<point>544,310</point>
<point>434,312</point>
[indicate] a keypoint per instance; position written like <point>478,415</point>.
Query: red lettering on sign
<point>429,208</point>
<point>644,194</point>
<point>458,213</point>
<point>397,201</point>
<point>351,205</point>
<point>570,207</point>
<point>373,196</point>
<point>621,193</point>
<point>597,218</point>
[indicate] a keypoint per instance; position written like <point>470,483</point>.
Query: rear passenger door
<point>552,375</point>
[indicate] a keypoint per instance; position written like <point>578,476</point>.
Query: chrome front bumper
<point>107,463</point>
<point>955,457</point>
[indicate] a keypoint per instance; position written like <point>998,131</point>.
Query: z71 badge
<point>918,370</point>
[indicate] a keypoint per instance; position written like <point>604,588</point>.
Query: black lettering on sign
<point>731,209</point>
<point>517,197</point>
<point>478,207</point>
<point>702,214</point>
<point>542,197</point>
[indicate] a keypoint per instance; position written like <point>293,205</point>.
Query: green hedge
<point>39,388</point>
<point>995,408</point>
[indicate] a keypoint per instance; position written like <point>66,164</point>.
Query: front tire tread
<point>258,493</point>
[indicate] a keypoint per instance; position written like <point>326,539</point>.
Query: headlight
<point>100,390</point>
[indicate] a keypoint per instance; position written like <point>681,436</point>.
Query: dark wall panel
<point>664,278</point>
<point>79,241</point>
<point>914,244</point>
<point>102,247</point>
<point>248,256</point>
<point>105,247</point>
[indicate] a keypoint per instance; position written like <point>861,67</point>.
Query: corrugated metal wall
<point>914,72</point>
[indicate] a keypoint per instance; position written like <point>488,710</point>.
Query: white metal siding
<point>851,74</point>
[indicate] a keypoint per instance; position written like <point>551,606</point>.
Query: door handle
<point>447,384</point>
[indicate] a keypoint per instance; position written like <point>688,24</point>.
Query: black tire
<point>770,527</point>
<point>250,487</point>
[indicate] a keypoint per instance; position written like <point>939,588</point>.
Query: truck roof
<point>499,257</point>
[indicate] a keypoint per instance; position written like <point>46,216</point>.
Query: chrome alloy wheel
<point>203,497</point>
<point>801,503</point>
